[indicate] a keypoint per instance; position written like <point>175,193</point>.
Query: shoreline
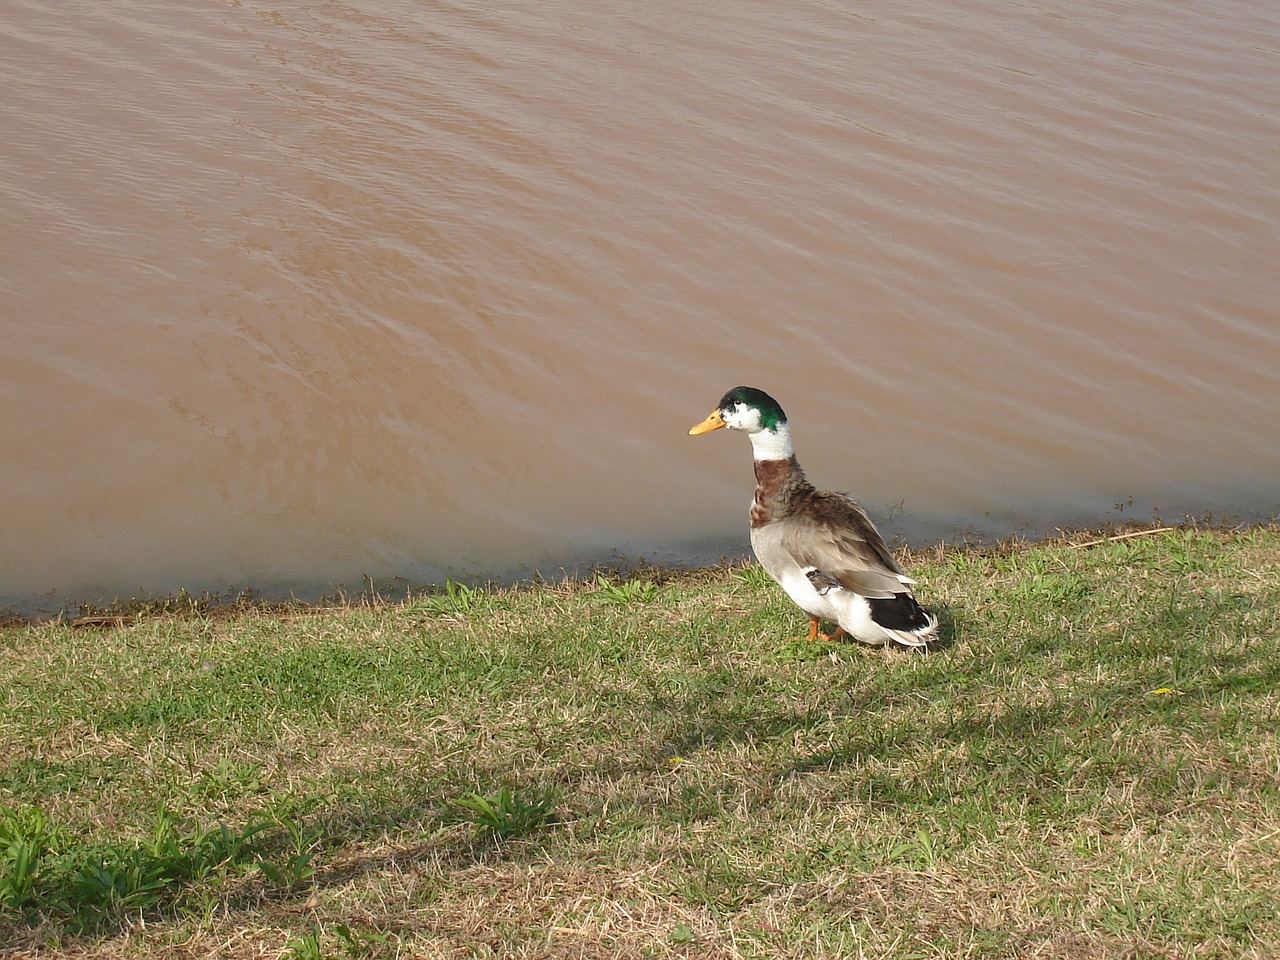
<point>120,611</point>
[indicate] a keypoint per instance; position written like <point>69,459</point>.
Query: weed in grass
<point>682,935</point>
<point>306,946</point>
<point>116,881</point>
<point>229,779</point>
<point>1186,551</point>
<point>505,816</point>
<point>25,840</point>
<point>352,944</point>
<point>457,598</point>
<point>103,883</point>
<point>294,866</point>
<point>358,943</point>
<point>627,592</point>
<point>44,871</point>
<point>753,576</point>
<point>919,852</point>
<point>223,845</point>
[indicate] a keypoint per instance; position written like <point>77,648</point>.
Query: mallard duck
<point>821,547</point>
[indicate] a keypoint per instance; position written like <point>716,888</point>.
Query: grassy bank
<point>1089,767</point>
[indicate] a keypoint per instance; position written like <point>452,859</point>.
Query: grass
<point>1088,767</point>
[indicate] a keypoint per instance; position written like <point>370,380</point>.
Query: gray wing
<point>833,534</point>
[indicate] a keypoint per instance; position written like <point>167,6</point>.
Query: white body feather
<point>835,604</point>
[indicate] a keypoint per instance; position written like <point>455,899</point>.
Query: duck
<point>820,546</point>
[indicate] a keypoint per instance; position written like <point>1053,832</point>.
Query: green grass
<point>1087,767</point>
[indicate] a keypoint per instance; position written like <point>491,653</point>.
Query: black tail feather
<point>901,612</point>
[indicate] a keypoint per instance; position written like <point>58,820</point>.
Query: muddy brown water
<point>293,294</point>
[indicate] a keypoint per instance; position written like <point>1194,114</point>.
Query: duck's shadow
<point>949,619</point>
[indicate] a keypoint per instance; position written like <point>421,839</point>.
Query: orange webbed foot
<point>815,635</point>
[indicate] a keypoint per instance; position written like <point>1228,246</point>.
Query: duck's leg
<point>815,635</point>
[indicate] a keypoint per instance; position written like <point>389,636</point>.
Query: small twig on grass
<point>104,620</point>
<point>1123,536</point>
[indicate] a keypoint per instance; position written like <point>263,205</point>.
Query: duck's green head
<point>756,414</point>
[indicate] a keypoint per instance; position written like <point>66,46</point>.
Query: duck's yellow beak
<point>713,422</point>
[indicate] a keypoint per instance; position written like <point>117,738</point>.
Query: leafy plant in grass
<point>753,576</point>
<point>921,851</point>
<point>227,778</point>
<point>44,871</point>
<point>305,946</point>
<point>295,866</point>
<point>117,880</point>
<point>25,840</point>
<point>99,883</point>
<point>506,816</point>
<point>224,846</point>
<point>682,935</point>
<point>1189,552</point>
<point>629,591</point>
<point>354,944</point>
<point>456,598</point>
<point>191,854</point>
